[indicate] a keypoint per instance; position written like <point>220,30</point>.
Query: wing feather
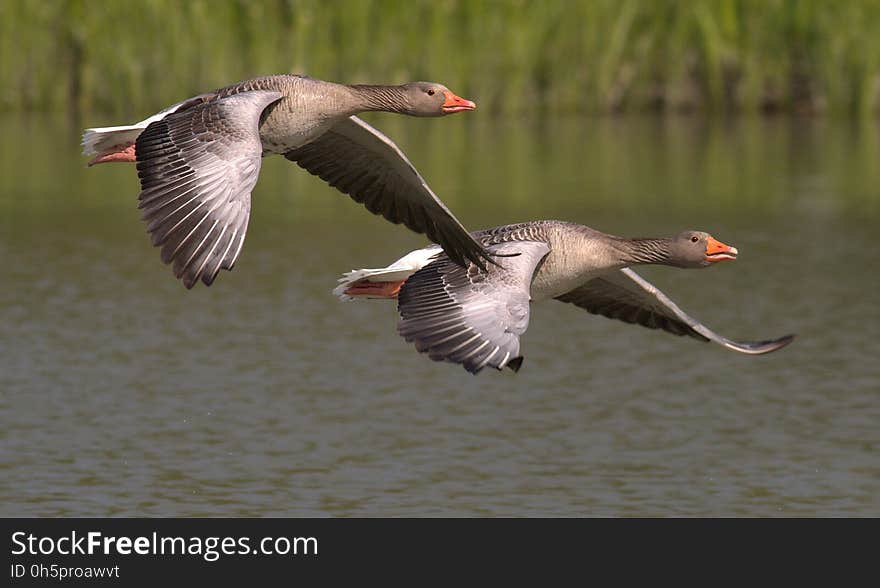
<point>360,161</point>
<point>626,296</point>
<point>197,168</point>
<point>470,316</point>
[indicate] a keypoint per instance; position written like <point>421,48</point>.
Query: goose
<point>199,159</point>
<point>475,317</point>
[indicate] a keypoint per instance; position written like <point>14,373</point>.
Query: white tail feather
<point>98,139</point>
<point>398,271</point>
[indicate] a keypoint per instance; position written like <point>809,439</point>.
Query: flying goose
<point>198,161</point>
<point>475,317</point>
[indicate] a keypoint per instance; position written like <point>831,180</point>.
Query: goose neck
<point>643,251</point>
<point>381,98</point>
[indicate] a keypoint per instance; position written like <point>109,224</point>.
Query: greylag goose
<point>198,161</point>
<point>475,317</point>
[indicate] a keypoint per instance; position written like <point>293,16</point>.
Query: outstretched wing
<point>469,316</point>
<point>626,296</point>
<point>360,161</point>
<point>197,168</point>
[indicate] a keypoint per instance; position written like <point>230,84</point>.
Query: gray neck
<point>643,251</point>
<point>381,98</point>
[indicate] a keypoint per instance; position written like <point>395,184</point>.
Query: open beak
<point>456,104</point>
<point>718,251</point>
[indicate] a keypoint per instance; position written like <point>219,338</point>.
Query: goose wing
<point>469,316</point>
<point>360,161</point>
<point>197,168</point>
<point>626,296</point>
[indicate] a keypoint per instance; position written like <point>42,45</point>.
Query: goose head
<point>698,249</point>
<point>432,99</point>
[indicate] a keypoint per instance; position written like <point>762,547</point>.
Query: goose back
<point>577,253</point>
<point>307,109</point>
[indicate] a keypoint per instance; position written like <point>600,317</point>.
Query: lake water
<point>123,394</point>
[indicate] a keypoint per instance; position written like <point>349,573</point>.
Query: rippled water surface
<point>122,393</point>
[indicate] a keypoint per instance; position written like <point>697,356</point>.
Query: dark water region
<point>122,393</point>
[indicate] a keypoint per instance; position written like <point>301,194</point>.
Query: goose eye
<point>694,239</point>
<point>430,92</point>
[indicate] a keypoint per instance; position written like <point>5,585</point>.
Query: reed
<point>514,56</point>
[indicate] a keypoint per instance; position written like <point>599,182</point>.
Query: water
<point>123,394</point>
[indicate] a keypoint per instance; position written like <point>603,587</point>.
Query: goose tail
<point>100,139</point>
<point>103,141</point>
<point>384,282</point>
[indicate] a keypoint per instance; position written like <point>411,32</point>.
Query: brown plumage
<point>475,317</point>
<point>198,161</point>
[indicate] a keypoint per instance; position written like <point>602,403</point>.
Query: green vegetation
<point>585,56</point>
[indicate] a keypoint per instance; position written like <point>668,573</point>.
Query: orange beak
<point>718,251</point>
<point>455,103</point>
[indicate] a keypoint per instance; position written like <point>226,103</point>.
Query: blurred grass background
<point>513,56</point>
